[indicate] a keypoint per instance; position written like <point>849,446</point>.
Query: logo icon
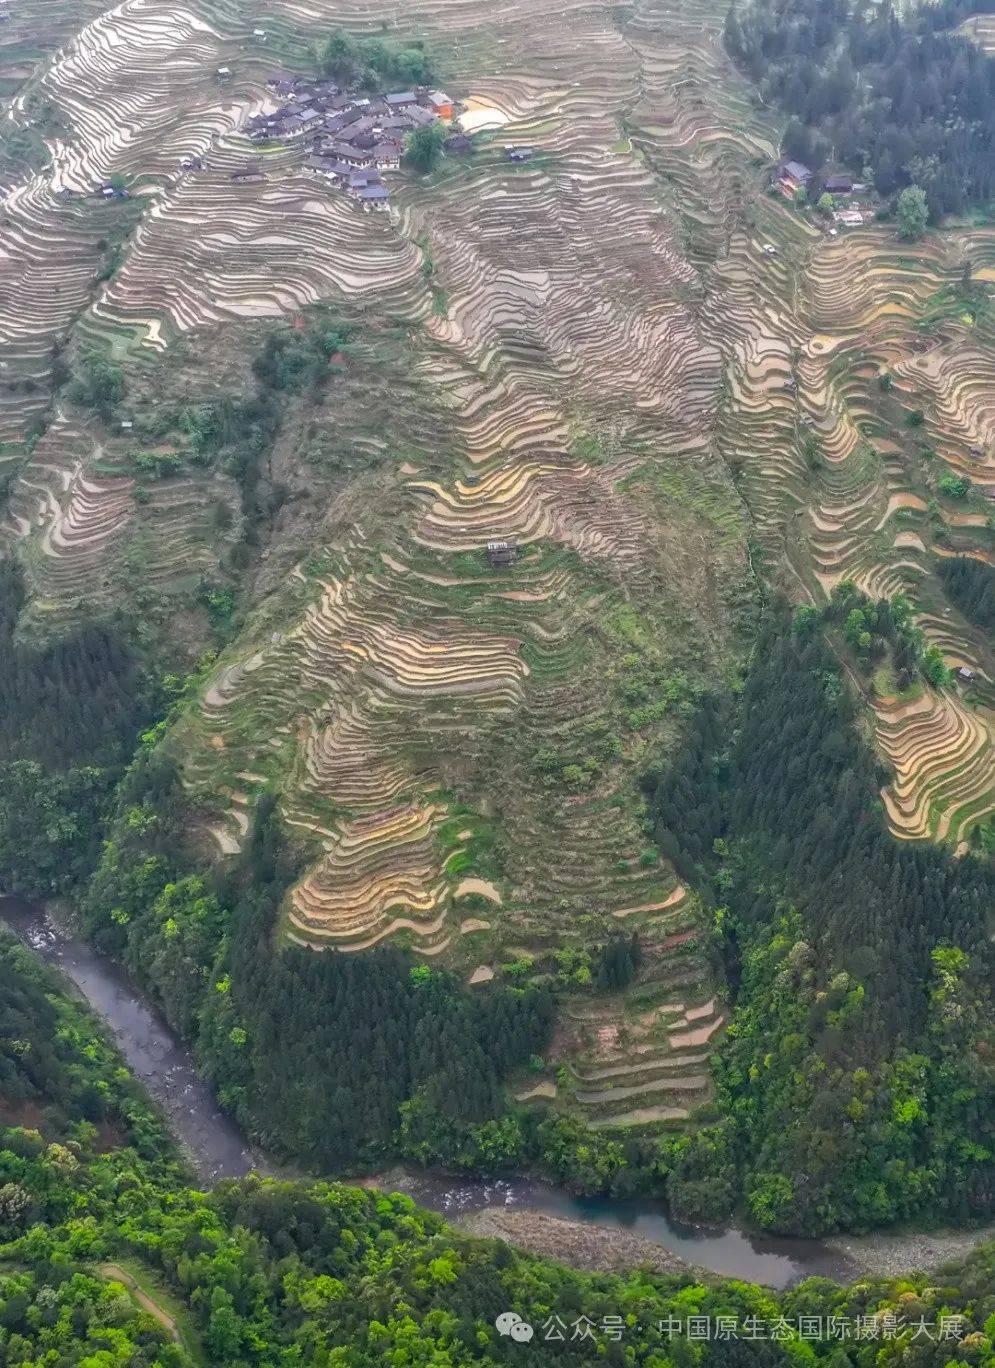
<point>511,1323</point>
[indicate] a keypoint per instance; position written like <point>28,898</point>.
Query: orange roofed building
<point>441,104</point>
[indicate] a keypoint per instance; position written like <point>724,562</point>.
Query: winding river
<point>211,1140</point>
<point>218,1148</point>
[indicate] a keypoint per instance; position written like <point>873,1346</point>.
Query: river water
<point>775,1260</point>
<point>218,1149</point>
<point>212,1141</point>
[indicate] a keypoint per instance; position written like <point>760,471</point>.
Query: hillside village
<point>853,201</point>
<point>350,137</point>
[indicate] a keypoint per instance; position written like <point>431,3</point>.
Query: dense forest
<point>317,1055</point>
<point>970,584</point>
<point>858,1077</point>
<point>78,1141</point>
<point>109,1257</point>
<point>890,92</point>
<point>70,713</point>
<point>78,701</point>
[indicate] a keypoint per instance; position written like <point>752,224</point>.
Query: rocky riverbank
<point>579,1244</point>
<point>601,1249</point>
<point>889,1255</point>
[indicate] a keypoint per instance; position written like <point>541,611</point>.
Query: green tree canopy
<point>424,147</point>
<point>912,212</point>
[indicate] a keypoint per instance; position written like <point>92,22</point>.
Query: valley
<point>107,1252</point>
<point>581,1232</point>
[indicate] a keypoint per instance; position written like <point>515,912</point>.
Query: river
<point>211,1140</point>
<point>218,1149</point>
<point>774,1260</point>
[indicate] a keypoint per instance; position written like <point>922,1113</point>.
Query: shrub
<point>98,385</point>
<point>954,486</point>
<point>158,464</point>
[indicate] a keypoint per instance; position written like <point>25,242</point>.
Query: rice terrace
<point>440,401</point>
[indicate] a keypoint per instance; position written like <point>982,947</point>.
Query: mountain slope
<point>590,354</point>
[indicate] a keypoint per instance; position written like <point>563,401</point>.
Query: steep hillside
<point>624,355</point>
<point>458,745</point>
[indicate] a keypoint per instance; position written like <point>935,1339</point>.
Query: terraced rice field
<point>866,507</point>
<point>589,354</point>
<point>981,28</point>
